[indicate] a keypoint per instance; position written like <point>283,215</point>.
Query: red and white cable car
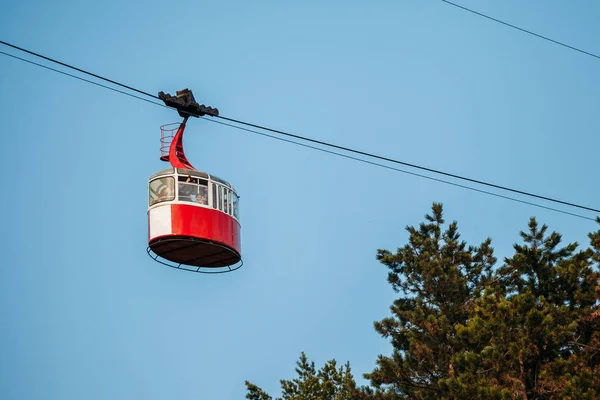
<point>193,216</point>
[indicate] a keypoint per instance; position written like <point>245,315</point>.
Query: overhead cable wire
<point>521,29</point>
<point>347,149</point>
<point>79,69</point>
<point>371,155</point>
<point>400,170</point>
<point>83,79</point>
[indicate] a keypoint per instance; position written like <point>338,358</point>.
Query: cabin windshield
<point>161,189</point>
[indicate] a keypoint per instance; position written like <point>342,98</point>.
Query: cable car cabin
<point>193,220</point>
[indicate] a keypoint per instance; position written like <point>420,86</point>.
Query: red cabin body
<point>193,217</point>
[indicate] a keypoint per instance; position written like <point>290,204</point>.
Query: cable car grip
<point>186,105</point>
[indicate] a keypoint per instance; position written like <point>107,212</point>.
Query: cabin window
<point>225,200</point>
<point>192,189</point>
<point>202,196</point>
<point>236,205</point>
<point>187,189</point>
<point>214,195</point>
<point>219,198</point>
<point>229,203</point>
<point>161,189</point>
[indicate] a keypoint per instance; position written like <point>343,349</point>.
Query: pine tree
<point>328,383</point>
<point>440,278</point>
<point>535,331</point>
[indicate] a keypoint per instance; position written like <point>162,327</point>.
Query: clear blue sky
<point>86,314</point>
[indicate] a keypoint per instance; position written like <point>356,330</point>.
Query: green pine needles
<point>460,329</point>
